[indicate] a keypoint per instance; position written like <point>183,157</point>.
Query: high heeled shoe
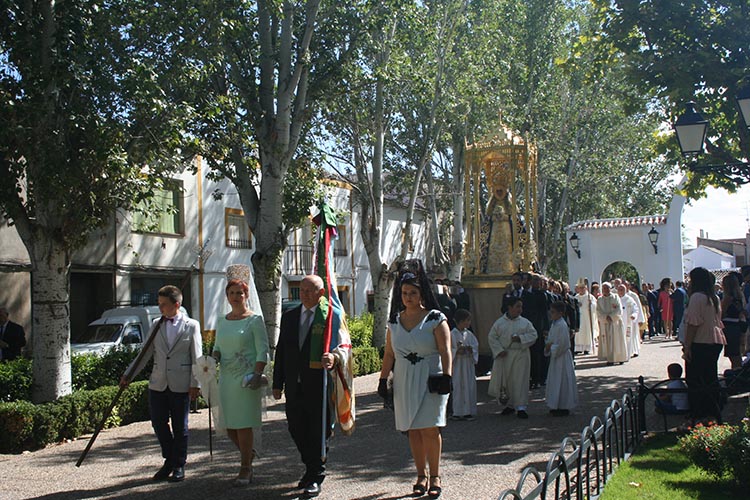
<point>420,489</point>
<point>245,477</point>
<point>434,490</point>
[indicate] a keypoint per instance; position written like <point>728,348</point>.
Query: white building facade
<point>190,245</point>
<point>602,242</point>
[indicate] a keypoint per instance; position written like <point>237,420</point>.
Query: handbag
<point>439,384</point>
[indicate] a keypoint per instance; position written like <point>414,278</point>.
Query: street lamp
<point>575,243</point>
<point>691,129</point>
<point>653,237</point>
<point>743,102</point>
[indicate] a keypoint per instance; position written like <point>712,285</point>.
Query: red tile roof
<point>645,220</point>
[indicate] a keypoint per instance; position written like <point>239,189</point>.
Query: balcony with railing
<point>298,260</point>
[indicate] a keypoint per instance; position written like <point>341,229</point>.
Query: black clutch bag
<point>439,384</point>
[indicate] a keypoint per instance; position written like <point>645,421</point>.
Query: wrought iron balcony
<point>298,260</point>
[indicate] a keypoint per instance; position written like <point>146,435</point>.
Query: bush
<point>90,371</point>
<point>360,329</point>
<point>27,426</point>
<point>15,380</point>
<point>721,450</point>
<point>366,360</point>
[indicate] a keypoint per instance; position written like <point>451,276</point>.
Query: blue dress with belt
<point>416,358</point>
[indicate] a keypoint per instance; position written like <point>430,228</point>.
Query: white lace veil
<point>245,273</point>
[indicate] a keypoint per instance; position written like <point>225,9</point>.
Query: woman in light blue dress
<point>242,348</point>
<point>418,352</point>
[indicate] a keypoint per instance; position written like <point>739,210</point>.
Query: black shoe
<point>163,473</point>
<point>508,411</point>
<point>304,482</point>
<point>178,474</point>
<point>522,414</point>
<point>311,490</point>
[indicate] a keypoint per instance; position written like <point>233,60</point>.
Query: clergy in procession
<point>561,393</point>
<point>589,325</point>
<point>635,348</point>
<point>630,310</point>
<point>612,346</point>
<point>510,339</point>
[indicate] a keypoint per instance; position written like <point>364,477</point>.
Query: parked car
<point>122,326</point>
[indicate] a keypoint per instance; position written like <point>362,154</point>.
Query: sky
<point>721,214</point>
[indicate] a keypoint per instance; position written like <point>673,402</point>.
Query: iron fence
<point>580,470</point>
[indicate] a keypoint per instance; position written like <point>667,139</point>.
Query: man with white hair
<point>630,310</point>
<point>612,346</point>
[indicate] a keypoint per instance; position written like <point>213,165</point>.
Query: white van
<point>122,326</point>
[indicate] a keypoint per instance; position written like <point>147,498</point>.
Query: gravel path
<point>480,458</point>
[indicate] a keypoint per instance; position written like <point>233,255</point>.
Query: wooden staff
<point>128,375</point>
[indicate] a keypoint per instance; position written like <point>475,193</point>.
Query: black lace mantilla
<point>413,358</point>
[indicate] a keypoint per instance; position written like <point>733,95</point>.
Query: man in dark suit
<point>679,302</point>
<point>12,337</point>
<point>654,318</point>
<point>303,385</point>
<point>518,291</point>
<point>176,347</point>
<point>535,309</point>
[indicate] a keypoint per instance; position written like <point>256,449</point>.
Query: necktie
<point>306,320</point>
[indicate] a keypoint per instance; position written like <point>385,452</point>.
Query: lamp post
<point>575,243</point>
<point>691,129</point>
<point>653,237</point>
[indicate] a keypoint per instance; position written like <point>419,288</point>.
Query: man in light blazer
<point>172,386</point>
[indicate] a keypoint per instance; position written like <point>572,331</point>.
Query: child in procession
<point>465,349</point>
<point>562,393</point>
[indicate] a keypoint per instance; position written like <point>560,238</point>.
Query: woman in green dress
<point>241,347</point>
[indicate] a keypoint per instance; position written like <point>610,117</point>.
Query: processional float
<point>501,206</point>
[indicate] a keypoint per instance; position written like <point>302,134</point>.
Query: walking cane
<point>128,375</point>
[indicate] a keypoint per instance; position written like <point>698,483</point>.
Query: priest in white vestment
<point>635,348</point>
<point>561,393</point>
<point>630,310</point>
<point>612,346</point>
<point>588,331</point>
<point>510,339</point>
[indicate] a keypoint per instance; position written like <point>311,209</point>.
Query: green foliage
<point>659,470</point>
<point>27,426</point>
<point>360,329</point>
<point>90,371</point>
<point>677,51</point>
<point>15,380</point>
<point>366,360</point>
<point>720,450</point>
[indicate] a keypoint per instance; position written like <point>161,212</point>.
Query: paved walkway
<point>480,458</point>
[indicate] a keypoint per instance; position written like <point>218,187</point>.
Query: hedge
<point>27,426</point>
<point>366,360</point>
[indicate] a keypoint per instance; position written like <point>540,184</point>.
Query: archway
<point>623,270</point>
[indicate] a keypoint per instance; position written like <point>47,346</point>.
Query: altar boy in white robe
<point>562,393</point>
<point>510,339</point>
<point>612,346</point>
<point>465,347</point>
